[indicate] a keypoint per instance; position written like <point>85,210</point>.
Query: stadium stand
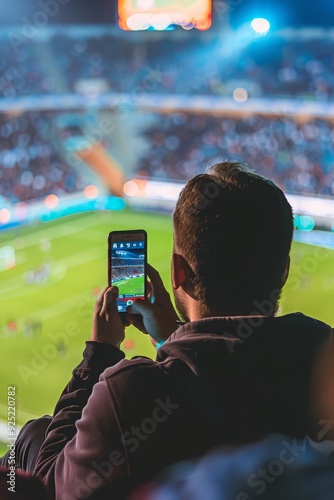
<point>30,165</point>
<point>298,156</point>
<point>22,72</point>
<point>293,63</point>
<point>297,64</point>
<point>119,273</point>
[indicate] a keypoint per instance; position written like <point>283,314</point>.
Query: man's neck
<point>198,311</point>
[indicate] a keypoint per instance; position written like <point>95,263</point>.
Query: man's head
<point>232,237</point>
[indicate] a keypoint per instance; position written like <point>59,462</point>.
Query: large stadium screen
<point>134,15</point>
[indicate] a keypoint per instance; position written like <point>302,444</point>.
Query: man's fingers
<point>137,321</point>
<point>155,279</point>
<point>109,301</point>
<point>100,300</point>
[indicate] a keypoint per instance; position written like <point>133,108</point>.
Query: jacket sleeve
<point>66,457</point>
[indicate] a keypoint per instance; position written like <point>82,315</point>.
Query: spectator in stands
<point>30,165</point>
<point>298,156</point>
<point>231,374</point>
<point>299,65</point>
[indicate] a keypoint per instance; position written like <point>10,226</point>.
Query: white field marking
<point>58,267</point>
<point>58,272</point>
<point>54,310</point>
<point>68,304</point>
<point>71,227</point>
<point>66,228</point>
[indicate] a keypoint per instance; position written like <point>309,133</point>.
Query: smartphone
<point>127,258</point>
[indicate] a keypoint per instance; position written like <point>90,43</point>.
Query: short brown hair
<point>234,228</point>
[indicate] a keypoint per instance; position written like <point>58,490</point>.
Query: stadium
<point>101,127</point>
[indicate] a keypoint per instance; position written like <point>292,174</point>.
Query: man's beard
<point>181,306</point>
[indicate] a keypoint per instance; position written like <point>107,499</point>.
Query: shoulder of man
<point>136,364</point>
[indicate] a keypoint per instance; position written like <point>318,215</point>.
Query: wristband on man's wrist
<point>159,344</point>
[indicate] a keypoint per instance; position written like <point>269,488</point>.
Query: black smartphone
<point>127,258</point>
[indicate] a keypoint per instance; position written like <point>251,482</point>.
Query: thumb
<point>140,306</point>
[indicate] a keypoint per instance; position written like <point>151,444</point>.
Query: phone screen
<point>127,266</point>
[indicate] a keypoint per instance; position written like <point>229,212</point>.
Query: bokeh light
<point>5,215</point>
<point>130,188</point>
<point>240,94</point>
<point>51,201</point>
<point>129,344</point>
<point>91,192</point>
<point>305,223</point>
<point>260,25</point>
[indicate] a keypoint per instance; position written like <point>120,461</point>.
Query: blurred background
<point>107,108</point>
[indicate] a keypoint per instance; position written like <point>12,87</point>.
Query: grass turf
<point>43,325</point>
<point>131,286</point>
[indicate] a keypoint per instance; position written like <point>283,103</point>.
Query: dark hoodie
<point>215,381</point>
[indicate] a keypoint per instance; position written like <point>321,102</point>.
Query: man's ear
<point>180,271</point>
<point>286,271</point>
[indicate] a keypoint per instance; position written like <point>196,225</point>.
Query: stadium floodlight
<point>260,25</point>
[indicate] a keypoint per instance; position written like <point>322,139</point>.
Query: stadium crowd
<point>125,272</point>
<point>24,72</point>
<point>298,156</point>
<point>276,65</point>
<point>30,164</point>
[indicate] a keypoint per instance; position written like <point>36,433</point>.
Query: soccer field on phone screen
<point>47,298</point>
<point>130,286</point>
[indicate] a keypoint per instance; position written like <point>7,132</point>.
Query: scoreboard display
<point>134,15</point>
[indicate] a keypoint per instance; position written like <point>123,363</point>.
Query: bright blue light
<point>306,223</point>
<point>260,25</point>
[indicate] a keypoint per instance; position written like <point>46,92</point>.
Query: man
<point>231,374</point>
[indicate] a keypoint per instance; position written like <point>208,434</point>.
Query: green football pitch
<point>131,286</point>
<point>47,298</point>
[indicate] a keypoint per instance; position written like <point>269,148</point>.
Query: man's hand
<point>155,316</point>
<point>107,325</point>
